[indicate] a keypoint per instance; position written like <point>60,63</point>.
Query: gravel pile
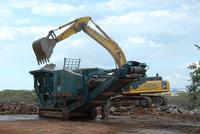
<point>154,110</point>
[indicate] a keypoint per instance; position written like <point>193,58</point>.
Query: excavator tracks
<point>60,113</point>
<point>141,100</point>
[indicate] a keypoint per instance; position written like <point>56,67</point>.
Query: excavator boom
<point>43,47</point>
<point>111,46</point>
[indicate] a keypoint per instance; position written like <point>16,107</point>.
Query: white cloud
<point>57,57</point>
<point>5,11</point>
<point>117,5</point>
<point>185,7</point>
<point>169,14</point>
<point>23,4</point>
<point>39,31</point>
<point>11,33</point>
<point>47,8</point>
<point>178,76</point>
<point>148,22</point>
<point>176,79</point>
<point>168,77</point>
<point>138,41</point>
<point>190,63</point>
<point>6,35</point>
<point>23,21</point>
<point>77,42</point>
<point>153,44</point>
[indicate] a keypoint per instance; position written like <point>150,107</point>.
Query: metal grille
<point>71,64</point>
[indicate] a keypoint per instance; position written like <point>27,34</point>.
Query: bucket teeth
<point>42,60</point>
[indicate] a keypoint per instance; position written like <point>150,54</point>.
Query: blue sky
<point>159,33</point>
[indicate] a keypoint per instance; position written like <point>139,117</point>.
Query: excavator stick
<point>43,49</point>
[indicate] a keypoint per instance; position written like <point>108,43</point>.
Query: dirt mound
<point>119,111</point>
<point>18,108</point>
<point>168,110</point>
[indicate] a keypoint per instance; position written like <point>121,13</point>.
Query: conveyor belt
<point>110,87</point>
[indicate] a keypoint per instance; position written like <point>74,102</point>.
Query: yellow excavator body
<point>149,87</point>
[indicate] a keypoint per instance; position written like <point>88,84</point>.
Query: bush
<point>194,86</point>
<point>184,100</point>
<point>25,96</point>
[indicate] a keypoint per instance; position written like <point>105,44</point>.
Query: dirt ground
<point>140,124</point>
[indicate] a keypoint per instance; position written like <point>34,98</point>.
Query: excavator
<point>141,93</point>
<point>80,91</point>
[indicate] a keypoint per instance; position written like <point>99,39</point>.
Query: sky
<point>159,33</point>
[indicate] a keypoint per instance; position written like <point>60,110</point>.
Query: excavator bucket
<point>43,49</point>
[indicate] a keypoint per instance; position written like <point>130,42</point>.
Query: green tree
<point>197,46</point>
<point>194,87</point>
<point>194,77</point>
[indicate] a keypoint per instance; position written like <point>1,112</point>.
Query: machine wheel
<point>163,101</point>
<point>65,115</point>
<point>92,114</point>
<point>145,102</point>
<point>159,100</point>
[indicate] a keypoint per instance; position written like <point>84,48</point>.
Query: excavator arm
<point>43,47</point>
